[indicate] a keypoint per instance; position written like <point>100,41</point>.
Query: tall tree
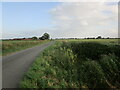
<point>45,36</point>
<point>99,37</point>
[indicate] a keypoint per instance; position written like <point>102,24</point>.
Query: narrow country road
<point>14,66</point>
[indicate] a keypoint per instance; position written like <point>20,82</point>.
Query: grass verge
<point>62,66</point>
<point>9,47</point>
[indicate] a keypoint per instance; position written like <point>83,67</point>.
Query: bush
<point>88,50</point>
<point>92,75</point>
<point>111,68</point>
<point>115,49</point>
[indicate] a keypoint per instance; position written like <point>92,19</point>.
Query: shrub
<point>111,67</point>
<point>92,75</point>
<point>115,49</point>
<point>88,50</point>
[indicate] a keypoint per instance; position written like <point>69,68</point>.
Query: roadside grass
<point>69,65</point>
<point>0,48</point>
<point>9,46</point>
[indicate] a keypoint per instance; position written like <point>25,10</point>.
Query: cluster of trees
<point>99,37</point>
<point>45,36</point>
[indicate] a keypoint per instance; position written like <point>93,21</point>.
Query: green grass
<point>9,46</point>
<point>68,65</point>
<point>103,41</point>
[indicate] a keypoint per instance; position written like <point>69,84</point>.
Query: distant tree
<point>99,37</point>
<point>34,38</point>
<point>45,36</point>
<point>42,38</point>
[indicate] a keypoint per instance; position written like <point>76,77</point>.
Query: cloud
<point>83,19</point>
<point>77,19</point>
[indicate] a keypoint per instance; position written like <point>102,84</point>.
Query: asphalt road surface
<point>14,66</point>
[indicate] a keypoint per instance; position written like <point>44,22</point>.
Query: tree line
<point>45,36</point>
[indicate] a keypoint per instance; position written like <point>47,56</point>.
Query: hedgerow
<point>75,65</point>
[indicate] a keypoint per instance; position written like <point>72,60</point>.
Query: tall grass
<point>67,65</point>
<point>13,46</point>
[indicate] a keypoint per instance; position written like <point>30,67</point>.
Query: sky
<point>59,19</point>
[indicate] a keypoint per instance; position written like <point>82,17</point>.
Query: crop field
<point>11,46</point>
<point>76,64</point>
<point>103,41</point>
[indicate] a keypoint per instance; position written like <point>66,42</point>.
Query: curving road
<point>14,66</point>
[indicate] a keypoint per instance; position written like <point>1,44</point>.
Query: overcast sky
<point>60,19</point>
